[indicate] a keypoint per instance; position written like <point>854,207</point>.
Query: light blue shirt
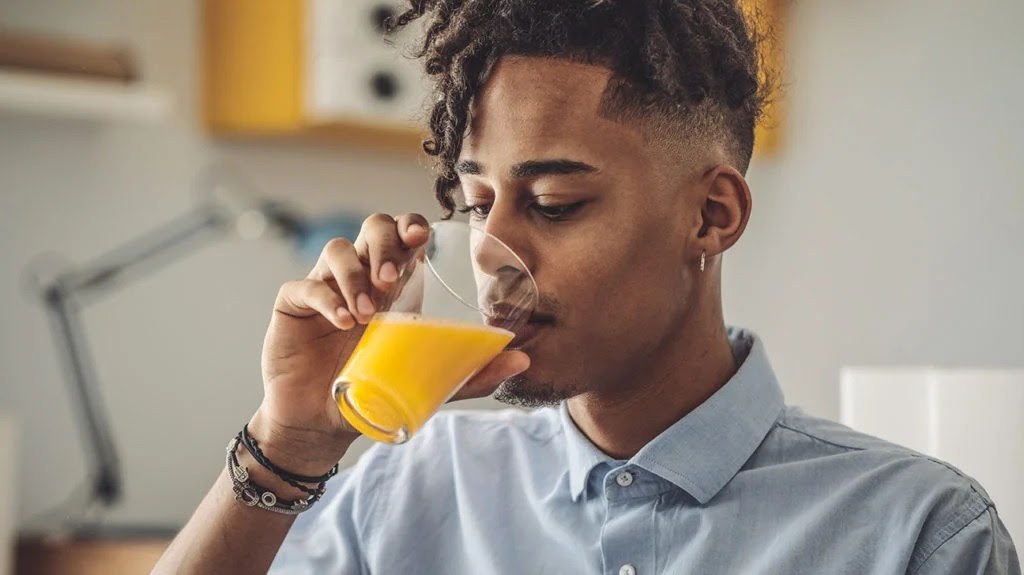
<point>743,484</point>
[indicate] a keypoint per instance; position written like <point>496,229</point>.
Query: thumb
<point>502,367</point>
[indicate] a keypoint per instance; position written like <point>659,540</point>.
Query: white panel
<point>980,431</point>
<point>968,418</point>
<point>348,87</point>
<point>889,403</point>
<point>336,26</point>
<point>347,52</point>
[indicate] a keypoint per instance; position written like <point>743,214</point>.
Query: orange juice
<point>406,366</point>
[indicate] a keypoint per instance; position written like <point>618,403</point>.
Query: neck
<point>686,372</point>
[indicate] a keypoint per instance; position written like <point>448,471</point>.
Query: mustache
<point>546,309</point>
<point>503,292</point>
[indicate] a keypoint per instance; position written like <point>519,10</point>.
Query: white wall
<point>178,351</point>
<point>887,231</point>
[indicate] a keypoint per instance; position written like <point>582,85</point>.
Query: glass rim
<point>448,288</point>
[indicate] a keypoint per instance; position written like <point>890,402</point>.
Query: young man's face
<point>595,214</point>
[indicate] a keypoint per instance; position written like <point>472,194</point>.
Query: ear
<point>725,210</point>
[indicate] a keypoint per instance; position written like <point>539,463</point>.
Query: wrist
<point>268,479</point>
<point>300,451</point>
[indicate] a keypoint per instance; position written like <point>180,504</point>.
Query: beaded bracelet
<point>254,495</point>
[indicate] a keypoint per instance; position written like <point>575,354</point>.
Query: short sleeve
<point>330,537</point>
<point>980,547</point>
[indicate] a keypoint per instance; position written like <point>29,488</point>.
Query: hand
<point>316,324</point>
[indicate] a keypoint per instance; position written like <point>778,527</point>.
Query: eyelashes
<point>554,212</point>
<point>478,211</point>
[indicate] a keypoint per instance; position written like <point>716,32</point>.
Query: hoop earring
<point>703,255</point>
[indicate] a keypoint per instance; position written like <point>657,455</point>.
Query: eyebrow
<point>531,168</point>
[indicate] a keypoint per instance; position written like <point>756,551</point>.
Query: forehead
<point>533,107</point>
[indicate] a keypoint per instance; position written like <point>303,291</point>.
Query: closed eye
<point>557,212</point>
<point>551,212</point>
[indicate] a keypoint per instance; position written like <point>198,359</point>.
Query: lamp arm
<point>86,403</point>
<point>64,298</point>
<point>145,251</point>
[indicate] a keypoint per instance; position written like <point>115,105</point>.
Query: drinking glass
<point>456,305</point>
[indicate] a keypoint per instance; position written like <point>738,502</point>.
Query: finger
<point>308,298</point>
<point>413,229</point>
<point>342,265</point>
<point>380,246</point>
<point>388,243</point>
<point>488,379</point>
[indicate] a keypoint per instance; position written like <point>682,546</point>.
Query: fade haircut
<point>688,72</point>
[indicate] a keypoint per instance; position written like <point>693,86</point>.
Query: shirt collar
<point>583,455</point>
<point>701,452</point>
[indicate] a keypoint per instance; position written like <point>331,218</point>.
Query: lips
<point>503,315</point>
<point>528,333</point>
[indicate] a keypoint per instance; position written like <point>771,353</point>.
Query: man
<point>605,142</point>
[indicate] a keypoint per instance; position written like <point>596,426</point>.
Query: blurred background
<point>886,227</point>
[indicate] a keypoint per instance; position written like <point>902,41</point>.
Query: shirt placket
<point>627,537</point>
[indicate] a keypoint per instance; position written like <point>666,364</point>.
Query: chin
<point>526,390</point>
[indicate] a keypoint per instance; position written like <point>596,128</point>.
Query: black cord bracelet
<point>254,449</point>
<point>293,479</point>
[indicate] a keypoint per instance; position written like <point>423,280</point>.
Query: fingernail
<point>345,318</point>
<point>416,229</point>
<point>364,304</point>
<point>388,272</point>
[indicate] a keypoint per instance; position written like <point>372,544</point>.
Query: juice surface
<point>406,366</point>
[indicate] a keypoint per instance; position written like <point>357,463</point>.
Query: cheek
<point>618,276</point>
<point>618,297</point>
<point>622,260</point>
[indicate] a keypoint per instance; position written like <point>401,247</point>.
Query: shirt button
<point>627,569</point>
<point>625,479</point>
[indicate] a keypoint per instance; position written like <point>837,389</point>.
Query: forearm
<point>225,535</point>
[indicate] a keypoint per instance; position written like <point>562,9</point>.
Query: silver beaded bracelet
<point>253,495</point>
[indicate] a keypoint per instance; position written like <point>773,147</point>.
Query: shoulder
<point>916,495</point>
<point>814,438</point>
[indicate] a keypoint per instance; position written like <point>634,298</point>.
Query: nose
<point>507,225</point>
<point>505,290</point>
<point>492,258</point>
<point>504,284</point>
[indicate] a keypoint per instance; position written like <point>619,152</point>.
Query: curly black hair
<point>694,63</point>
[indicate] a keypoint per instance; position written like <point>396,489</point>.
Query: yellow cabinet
<point>310,68</point>
<point>321,69</point>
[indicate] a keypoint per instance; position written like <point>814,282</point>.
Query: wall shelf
<point>37,94</point>
<point>309,70</point>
